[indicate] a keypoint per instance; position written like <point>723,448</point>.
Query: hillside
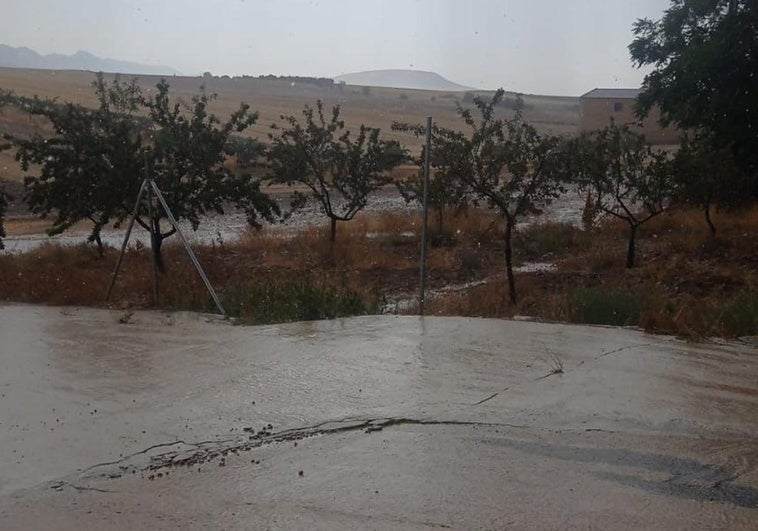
<point>81,60</point>
<point>403,79</point>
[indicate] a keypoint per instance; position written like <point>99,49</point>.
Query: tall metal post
<point>126,240</point>
<point>189,250</point>
<point>153,231</point>
<point>427,154</point>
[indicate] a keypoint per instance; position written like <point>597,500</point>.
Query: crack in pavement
<point>493,395</point>
<point>621,349</point>
<point>204,451</point>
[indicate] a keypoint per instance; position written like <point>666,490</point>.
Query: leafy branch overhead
<point>338,171</point>
<point>704,78</point>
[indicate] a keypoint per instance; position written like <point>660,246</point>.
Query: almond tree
<point>339,172</point>
<point>625,178</point>
<point>7,97</point>
<point>505,164</point>
<point>445,191</point>
<point>92,166</point>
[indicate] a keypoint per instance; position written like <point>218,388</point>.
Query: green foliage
<point>623,176</point>
<point>705,77</point>
<point>548,240</point>
<point>291,301</point>
<point>707,178</point>
<point>93,165</point>
<point>445,192</point>
<point>340,172</point>
<point>599,305</point>
<point>245,150</point>
<point>740,316</point>
<point>87,169</point>
<point>4,197</point>
<point>506,164</point>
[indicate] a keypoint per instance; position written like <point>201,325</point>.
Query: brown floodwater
<point>110,420</point>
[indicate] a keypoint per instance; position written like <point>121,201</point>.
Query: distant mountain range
<point>27,58</point>
<point>407,79</point>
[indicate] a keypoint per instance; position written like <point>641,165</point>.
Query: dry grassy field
<point>273,98</point>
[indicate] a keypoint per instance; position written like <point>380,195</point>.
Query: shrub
<point>291,301</point>
<point>740,317</point>
<point>597,305</point>
<point>556,239</point>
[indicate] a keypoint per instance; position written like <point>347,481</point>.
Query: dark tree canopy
<point>186,156</point>
<point>339,171</point>
<point>93,165</point>
<point>705,78</point>
<point>706,177</point>
<point>87,168</point>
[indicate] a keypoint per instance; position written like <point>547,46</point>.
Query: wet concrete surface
<point>152,420</point>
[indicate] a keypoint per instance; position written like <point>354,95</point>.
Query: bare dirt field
<point>273,98</point>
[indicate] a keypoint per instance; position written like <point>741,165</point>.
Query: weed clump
<point>291,301</point>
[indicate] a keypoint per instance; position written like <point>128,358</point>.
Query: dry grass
<point>686,283</point>
<point>271,99</point>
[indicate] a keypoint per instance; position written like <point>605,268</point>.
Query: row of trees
<point>91,168</point>
<point>513,169</point>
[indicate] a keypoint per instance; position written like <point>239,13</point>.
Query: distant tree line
<point>318,81</point>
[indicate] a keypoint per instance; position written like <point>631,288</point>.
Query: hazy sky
<point>538,46</point>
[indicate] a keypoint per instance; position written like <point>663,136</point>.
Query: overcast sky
<point>563,47</point>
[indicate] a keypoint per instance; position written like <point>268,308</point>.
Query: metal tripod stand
<point>149,188</point>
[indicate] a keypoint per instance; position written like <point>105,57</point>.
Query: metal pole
<point>126,240</point>
<point>153,232</point>
<point>191,254</point>
<point>427,155</point>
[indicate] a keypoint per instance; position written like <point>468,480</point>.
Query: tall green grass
<point>291,301</point>
<point>603,306</point>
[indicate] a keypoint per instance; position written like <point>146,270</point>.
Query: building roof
<point>619,93</point>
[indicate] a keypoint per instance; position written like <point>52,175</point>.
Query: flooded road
<point>112,420</point>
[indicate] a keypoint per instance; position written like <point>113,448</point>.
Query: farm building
<point>601,105</point>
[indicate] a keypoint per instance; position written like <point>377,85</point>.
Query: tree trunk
<point>439,221</point>
<point>509,261</point>
<point>333,234</point>
<point>711,226</point>
<point>156,241</point>
<point>630,249</point>
<point>99,242</point>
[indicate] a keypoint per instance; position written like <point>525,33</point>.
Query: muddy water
<point>153,420</point>
<point>231,226</point>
